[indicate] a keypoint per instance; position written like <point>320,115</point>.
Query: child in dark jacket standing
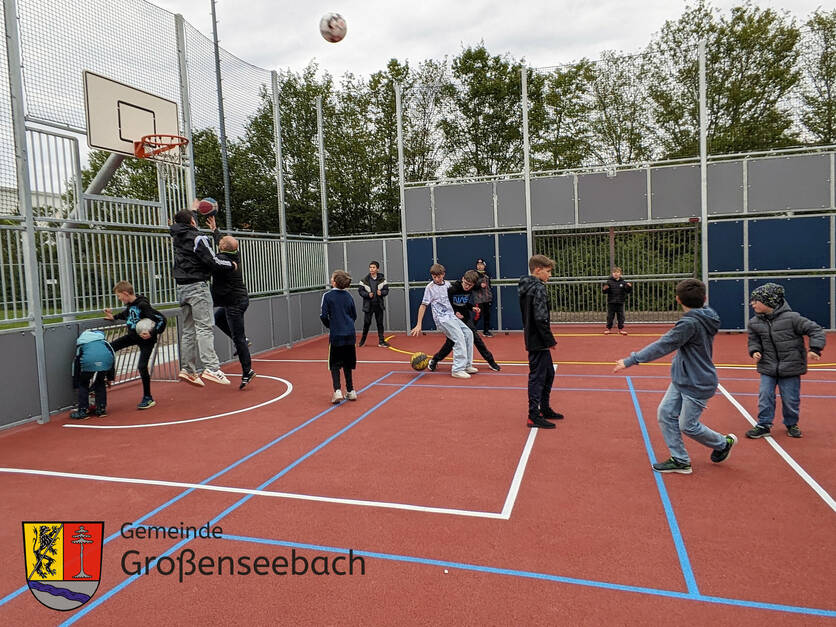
<point>693,379</point>
<point>338,315</point>
<point>539,341</point>
<point>616,289</point>
<point>776,343</point>
<point>93,364</point>
<point>373,290</point>
<point>483,297</point>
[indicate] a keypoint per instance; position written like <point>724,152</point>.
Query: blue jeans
<point>678,414</point>
<point>462,338</point>
<point>790,399</point>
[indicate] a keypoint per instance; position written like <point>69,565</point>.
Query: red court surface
<point>453,511</point>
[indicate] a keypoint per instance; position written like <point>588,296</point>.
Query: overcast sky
<point>283,34</point>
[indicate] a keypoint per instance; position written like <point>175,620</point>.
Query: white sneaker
<point>338,396</point>
<point>471,370</point>
<point>216,376</point>
<point>461,374</point>
<point>191,378</point>
<point>352,395</point>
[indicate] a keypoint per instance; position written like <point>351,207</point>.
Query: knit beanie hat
<point>770,294</point>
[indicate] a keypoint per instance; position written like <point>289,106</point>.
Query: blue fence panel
<point>511,316</point>
<point>513,255</point>
<point>728,300</point>
<point>809,296</point>
<point>458,254</point>
<point>725,246</point>
<point>420,253</point>
<point>790,244</point>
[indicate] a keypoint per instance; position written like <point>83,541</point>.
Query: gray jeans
<point>678,414</point>
<point>198,320</point>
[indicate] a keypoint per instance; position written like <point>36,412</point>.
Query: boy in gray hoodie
<point>693,379</point>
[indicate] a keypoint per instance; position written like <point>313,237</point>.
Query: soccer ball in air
<point>332,27</point>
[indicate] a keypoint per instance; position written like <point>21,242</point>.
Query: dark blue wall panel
<point>511,316</point>
<point>513,255</point>
<point>727,299</point>
<point>459,254</point>
<point>420,252</point>
<point>415,296</point>
<point>725,246</point>
<point>809,296</point>
<point>790,244</point>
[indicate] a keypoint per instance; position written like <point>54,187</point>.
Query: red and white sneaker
<point>622,331</point>
<point>607,331</point>
<point>191,378</point>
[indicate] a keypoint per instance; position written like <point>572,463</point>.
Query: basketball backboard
<point>118,115</point>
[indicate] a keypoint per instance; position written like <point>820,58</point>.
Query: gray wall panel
<point>358,305</point>
<point>296,317</point>
<point>21,376</point>
<point>395,310</point>
<point>417,207</point>
<point>675,192</point>
<point>510,201</point>
<point>552,201</point>
<point>618,199</point>
<point>281,330</point>
<point>258,326</point>
<point>223,346</point>
<point>59,346</point>
<point>797,182</point>
<point>393,265</point>
<point>360,253</point>
<point>467,206</point>
<point>725,188</point>
<point>336,257</point>
<point>311,304</point>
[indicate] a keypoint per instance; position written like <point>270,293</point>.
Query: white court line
<point>518,475</point>
<point>182,422</point>
<point>779,449</point>
<point>283,495</point>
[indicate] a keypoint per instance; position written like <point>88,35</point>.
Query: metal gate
<point>653,258</point>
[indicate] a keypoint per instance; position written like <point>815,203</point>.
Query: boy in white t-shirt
<point>435,296</point>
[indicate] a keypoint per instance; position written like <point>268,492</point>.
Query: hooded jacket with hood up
<point>779,338</point>
<point>534,305</point>
<point>692,370</point>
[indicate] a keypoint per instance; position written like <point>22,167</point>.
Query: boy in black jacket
<point>137,307</point>
<point>461,298</point>
<point>776,343</point>
<point>539,341</point>
<point>373,289</point>
<point>231,299</point>
<point>616,289</point>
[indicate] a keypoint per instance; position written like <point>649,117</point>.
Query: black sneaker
<point>80,414</point>
<point>383,344</point>
<point>146,403</point>
<point>100,411</point>
<point>487,334</point>
<point>793,431</point>
<point>760,431</point>
<point>539,423</point>
<point>673,465</point>
<point>432,365</point>
<point>494,366</point>
<point>551,414</point>
<point>718,456</point>
<point>246,379</point>
<point>362,341</point>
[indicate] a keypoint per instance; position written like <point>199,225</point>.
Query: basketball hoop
<point>161,147</point>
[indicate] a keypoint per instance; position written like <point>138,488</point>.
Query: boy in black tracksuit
<point>231,299</point>
<point>616,289</point>
<point>373,290</point>
<point>460,294</point>
<point>137,307</point>
<point>534,305</point>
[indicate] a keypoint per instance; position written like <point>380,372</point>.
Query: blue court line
<point>684,562</point>
<point>88,607</point>
<point>536,575</point>
<point>172,501</point>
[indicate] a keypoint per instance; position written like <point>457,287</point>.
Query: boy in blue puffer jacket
<point>94,362</point>
<point>693,379</point>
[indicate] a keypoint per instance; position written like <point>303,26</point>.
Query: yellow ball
<point>419,361</point>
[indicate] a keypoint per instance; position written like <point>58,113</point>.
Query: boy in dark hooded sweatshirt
<point>776,343</point>
<point>693,379</point>
<point>534,305</point>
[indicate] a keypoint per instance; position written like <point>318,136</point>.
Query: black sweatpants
<point>377,312</point>
<point>230,320</point>
<point>146,347</point>
<point>613,310</point>
<point>99,387</point>
<point>478,344</point>
<point>540,379</point>
<point>485,316</point>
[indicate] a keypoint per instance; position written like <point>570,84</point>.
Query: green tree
<point>818,65</point>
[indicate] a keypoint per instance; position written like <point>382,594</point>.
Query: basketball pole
<point>703,169</point>
<point>221,120</point>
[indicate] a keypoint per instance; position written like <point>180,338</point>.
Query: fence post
<point>24,197</point>
<point>526,163</point>
<point>401,184</point>
<point>221,120</point>
<point>185,103</point>
<point>703,169</point>
<point>277,140</point>
<point>323,190</point>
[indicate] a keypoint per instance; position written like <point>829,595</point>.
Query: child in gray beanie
<point>776,343</point>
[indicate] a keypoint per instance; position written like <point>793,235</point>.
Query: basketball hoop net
<point>161,147</point>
